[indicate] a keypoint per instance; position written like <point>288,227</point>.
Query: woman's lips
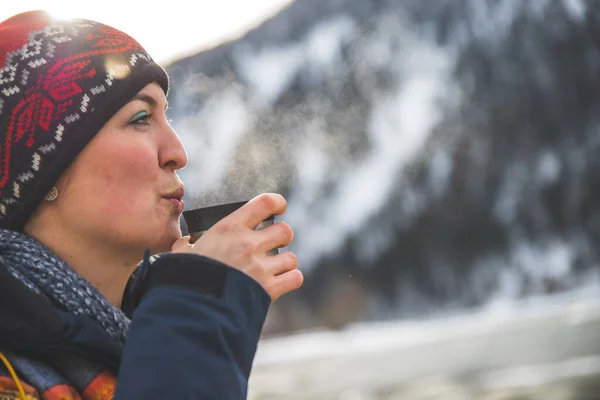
<point>177,203</point>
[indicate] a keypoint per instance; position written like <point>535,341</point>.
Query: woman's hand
<point>235,242</point>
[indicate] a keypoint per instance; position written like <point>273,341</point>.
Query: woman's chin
<point>171,236</point>
<point>162,242</point>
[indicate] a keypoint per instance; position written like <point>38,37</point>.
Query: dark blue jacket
<point>194,332</point>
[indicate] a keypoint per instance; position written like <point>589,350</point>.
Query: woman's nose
<point>172,153</point>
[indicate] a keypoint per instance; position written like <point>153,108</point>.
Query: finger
<point>258,209</point>
<point>281,263</point>
<point>181,242</point>
<point>285,283</point>
<point>275,236</point>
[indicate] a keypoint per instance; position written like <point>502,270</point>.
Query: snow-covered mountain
<point>436,154</point>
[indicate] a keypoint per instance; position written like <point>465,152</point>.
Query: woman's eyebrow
<point>147,99</point>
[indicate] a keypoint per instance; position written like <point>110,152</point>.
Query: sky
<point>172,30</point>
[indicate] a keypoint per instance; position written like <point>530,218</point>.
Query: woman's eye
<point>140,117</point>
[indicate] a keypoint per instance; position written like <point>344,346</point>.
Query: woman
<point>88,190</point>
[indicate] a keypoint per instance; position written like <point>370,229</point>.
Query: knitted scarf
<point>43,272</point>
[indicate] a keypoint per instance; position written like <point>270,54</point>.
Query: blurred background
<point>441,163</point>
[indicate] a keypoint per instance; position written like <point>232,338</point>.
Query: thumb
<point>181,244</point>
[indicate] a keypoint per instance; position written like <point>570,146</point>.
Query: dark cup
<point>199,220</point>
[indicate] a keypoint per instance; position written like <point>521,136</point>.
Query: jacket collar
<point>32,325</point>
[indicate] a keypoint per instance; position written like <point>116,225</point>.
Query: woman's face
<point>123,188</point>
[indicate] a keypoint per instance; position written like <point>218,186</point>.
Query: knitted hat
<point>60,82</point>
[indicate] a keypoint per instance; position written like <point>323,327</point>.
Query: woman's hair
<point>60,82</point>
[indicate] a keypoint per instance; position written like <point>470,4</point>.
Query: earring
<point>52,194</point>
